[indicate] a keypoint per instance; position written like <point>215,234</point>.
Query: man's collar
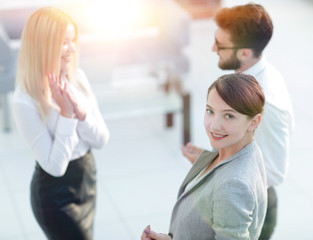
<point>257,67</point>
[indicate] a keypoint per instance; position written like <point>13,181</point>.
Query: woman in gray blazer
<point>224,194</point>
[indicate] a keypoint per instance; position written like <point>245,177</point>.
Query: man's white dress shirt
<point>273,133</point>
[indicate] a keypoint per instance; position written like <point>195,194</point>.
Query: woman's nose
<point>72,47</point>
<point>216,124</point>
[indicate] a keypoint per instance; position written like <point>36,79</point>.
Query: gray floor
<point>140,170</point>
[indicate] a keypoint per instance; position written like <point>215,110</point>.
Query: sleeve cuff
<point>66,126</point>
<point>85,123</point>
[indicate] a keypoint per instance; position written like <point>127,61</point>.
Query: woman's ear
<point>255,121</point>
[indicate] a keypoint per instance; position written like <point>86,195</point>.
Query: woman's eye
<point>209,111</point>
<point>67,42</point>
<point>229,116</point>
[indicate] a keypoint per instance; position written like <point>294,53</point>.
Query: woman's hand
<point>60,95</point>
<point>147,234</point>
<point>78,110</point>
<point>191,152</point>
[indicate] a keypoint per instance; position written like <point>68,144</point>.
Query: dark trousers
<point>271,215</point>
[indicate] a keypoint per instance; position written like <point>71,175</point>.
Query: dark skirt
<point>64,206</point>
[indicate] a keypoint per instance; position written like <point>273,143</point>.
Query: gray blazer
<point>229,202</point>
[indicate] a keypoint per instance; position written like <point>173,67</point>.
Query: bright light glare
<point>116,15</point>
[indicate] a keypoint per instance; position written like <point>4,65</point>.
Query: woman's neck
<point>227,152</point>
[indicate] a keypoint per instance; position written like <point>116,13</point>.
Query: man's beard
<point>232,63</point>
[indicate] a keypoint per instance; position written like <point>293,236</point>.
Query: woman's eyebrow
<point>225,110</point>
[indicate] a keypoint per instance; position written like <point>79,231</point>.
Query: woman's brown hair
<point>241,92</point>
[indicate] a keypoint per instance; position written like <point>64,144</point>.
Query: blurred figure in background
<point>242,34</point>
<point>56,111</point>
<point>224,194</point>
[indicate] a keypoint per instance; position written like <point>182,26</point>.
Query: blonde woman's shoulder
<point>81,74</point>
<point>21,96</point>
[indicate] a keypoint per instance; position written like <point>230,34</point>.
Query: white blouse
<point>59,140</point>
<point>195,180</point>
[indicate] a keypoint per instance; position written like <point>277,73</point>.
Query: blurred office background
<point>150,63</point>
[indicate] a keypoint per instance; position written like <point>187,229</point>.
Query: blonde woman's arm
<point>52,148</point>
<point>92,129</point>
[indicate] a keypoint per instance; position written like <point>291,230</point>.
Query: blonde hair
<point>40,54</point>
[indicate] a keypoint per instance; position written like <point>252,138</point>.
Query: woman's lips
<point>67,59</point>
<point>216,136</point>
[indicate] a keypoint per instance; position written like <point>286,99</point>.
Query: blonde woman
<point>57,113</point>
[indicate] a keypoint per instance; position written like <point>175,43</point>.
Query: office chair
<point>7,75</point>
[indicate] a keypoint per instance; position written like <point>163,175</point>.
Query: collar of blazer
<point>203,161</point>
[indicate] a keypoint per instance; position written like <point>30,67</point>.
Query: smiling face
<point>227,129</point>
<point>68,48</point>
<point>228,59</point>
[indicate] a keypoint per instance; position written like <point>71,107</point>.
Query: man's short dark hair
<point>250,26</point>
